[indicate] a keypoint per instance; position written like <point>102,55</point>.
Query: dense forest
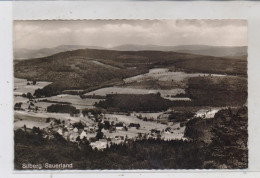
<point>217,91</point>
<point>130,102</point>
<point>62,108</point>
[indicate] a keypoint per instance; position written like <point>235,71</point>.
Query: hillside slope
<point>91,68</point>
<point>226,136</point>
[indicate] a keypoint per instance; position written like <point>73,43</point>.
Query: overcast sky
<point>109,33</point>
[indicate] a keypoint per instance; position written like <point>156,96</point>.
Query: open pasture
<point>164,74</point>
<point>121,90</point>
<point>30,124</point>
<point>144,125</point>
<point>41,117</point>
<point>21,87</point>
<point>75,100</point>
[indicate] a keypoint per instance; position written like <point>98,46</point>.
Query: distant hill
<point>217,51</point>
<point>91,68</point>
<point>236,52</point>
<point>38,53</point>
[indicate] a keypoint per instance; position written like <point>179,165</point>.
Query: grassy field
<point>129,90</point>
<point>163,79</point>
<point>21,87</point>
<point>29,124</point>
<point>146,126</point>
<point>75,100</point>
<point>41,117</point>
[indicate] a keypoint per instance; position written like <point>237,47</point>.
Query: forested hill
<point>93,68</point>
<point>237,52</point>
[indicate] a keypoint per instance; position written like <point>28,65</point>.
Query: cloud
<point>108,33</point>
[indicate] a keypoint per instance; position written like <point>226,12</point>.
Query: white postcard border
<point>130,10</point>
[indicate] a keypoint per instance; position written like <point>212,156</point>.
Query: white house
<point>75,129</point>
<point>119,128</point>
<point>73,136</point>
<point>60,131</point>
<point>83,134</point>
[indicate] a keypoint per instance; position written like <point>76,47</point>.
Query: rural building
<point>83,134</point>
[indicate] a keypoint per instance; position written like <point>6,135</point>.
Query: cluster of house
<point>112,131</point>
<point>74,134</point>
<point>68,131</point>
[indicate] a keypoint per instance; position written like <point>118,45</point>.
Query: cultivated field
<point>21,87</point>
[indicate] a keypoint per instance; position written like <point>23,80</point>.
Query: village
<point>103,131</point>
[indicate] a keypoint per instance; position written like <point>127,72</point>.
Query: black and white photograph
<point>160,94</point>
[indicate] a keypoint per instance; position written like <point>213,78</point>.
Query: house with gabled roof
<point>75,130</point>
<point>82,134</point>
<point>73,136</point>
